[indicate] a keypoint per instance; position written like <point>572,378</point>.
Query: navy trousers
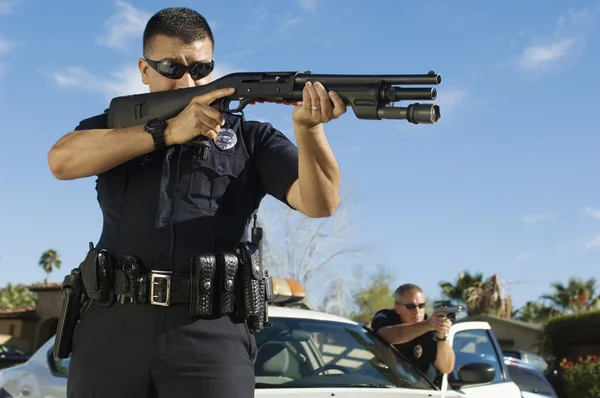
<point>141,351</point>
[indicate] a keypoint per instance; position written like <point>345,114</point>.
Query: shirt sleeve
<point>94,122</point>
<point>277,161</point>
<point>379,321</point>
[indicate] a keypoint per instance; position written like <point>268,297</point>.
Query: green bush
<point>581,328</point>
<point>582,377</point>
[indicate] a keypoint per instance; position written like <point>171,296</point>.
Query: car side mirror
<point>474,373</point>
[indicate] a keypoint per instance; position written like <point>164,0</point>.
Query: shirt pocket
<point>215,179</point>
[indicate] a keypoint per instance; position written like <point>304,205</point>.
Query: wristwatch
<point>156,128</point>
<point>441,338</point>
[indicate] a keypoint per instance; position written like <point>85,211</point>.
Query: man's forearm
<point>444,361</point>
<point>400,334</point>
<point>86,153</point>
<point>319,172</point>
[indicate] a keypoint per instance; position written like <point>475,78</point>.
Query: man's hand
<point>440,323</point>
<point>198,118</point>
<point>318,106</point>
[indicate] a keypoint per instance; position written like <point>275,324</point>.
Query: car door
<point>476,342</point>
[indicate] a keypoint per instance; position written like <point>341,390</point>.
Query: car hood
<point>345,392</point>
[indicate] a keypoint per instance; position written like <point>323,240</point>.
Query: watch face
<point>155,123</point>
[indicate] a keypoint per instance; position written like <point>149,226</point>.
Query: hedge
<point>582,328</point>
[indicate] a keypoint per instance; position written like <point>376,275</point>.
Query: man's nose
<point>185,81</point>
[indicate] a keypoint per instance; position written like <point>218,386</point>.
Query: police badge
<point>418,351</point>
<point>226,139</point>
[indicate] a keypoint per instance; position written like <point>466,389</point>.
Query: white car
<point>312,354</point>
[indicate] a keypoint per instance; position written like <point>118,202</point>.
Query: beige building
<point>29,328</point>
<point>513,334</point>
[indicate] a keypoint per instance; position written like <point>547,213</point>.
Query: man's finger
<point>213,115</point>
<point>326,104</point>
<point>212,96</point>
<point>339,107</point>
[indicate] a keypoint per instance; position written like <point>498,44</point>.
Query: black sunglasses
<point>411,307</point>
<point>176,70</point>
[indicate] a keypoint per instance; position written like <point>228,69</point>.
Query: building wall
<point>516,337</point>
<point>20,333</point>
<point>12,327</point>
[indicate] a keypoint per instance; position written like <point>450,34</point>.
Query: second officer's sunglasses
<point>412,307</point>
<point>175,70</point>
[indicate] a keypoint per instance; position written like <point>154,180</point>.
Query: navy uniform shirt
<point>422,351</point>
<point>169,204</point>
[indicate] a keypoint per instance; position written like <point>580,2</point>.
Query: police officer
<point>161,202</point>
<point>422,339</point>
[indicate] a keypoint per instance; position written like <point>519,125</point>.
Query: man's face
<point>411,307</point>
<point>169,48</point>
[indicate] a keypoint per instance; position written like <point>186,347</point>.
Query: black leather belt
<point>161,288</point>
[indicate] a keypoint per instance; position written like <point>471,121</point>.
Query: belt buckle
<point>158,277</point>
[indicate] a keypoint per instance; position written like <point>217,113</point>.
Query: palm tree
<point>535,312</point>
<point>456,294</point>
<point>49,261</point>
<point>478,296</point>
<point>577,296</point>
<point>489,297</point>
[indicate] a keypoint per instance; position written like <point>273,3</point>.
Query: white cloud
<point>289,22</point>
<point>566,42</point>
<point>308,5</point>
<point>8,6</point>
<point>534,218</point>
<point>593,243</point>
<point>450,100</point>
<point>126,24</point>
<point>125,81</point>
<point>5,47</point>
<point>594,213</point>
<point>536,56</point>
<point>526,255</point>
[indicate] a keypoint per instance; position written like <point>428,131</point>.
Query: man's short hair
<point>181,23</point>
<point>407,287</point>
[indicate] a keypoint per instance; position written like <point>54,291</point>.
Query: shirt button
<point>166,188</point>
<point>163,220</point>
<point>220,168</point>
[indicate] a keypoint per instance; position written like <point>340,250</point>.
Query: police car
<point>307,353</point>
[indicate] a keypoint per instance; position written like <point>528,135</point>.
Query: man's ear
<point>143,67</point>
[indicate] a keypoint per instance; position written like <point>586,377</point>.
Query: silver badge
<point>418,351</point>
<point>226,139</point>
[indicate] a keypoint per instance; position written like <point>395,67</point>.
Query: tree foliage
<point>374,296</point>
<point>319,253</point>
<point>49,261</point>
<point>13,297</point>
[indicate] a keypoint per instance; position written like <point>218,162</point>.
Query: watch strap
<point>156,128</point>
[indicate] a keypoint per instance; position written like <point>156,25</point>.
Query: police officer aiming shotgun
<point>179,179</point>
<point>172,290</point>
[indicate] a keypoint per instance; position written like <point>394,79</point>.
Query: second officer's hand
<point>198,118</point>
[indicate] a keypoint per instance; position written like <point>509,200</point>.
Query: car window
<point>512,354</point>
<point>536,361</point>
<point>10,350</point>
<point>59,367</point>
<point>530,381</point>
<point>295,353</point>
<point>475,346</point>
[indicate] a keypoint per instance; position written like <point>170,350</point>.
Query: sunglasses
<point>412,307</point>
<point>176,70</point>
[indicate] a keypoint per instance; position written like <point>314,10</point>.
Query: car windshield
<point>297,353</point>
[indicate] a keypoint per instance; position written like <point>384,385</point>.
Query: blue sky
<point>505,182</point>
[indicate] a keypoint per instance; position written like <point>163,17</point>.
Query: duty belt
<point>217,284</point>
